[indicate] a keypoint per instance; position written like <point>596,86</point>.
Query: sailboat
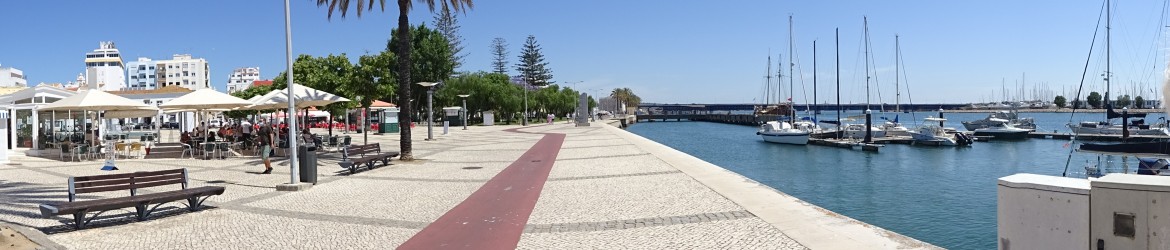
<point>1136,126</point>
<point>791,131</point>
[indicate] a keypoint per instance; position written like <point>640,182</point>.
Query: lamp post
<point>464,110</point>
<point>430,108</point>
<point>366,118</point>
<point>292,123</point>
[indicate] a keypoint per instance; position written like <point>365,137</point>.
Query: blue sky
<point>674,52</point>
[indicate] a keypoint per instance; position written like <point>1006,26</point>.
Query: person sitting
<point>185,138</point>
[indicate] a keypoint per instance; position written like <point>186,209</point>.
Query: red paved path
<point>494,216</point>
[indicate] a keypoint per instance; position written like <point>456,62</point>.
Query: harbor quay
<point>553,186</point>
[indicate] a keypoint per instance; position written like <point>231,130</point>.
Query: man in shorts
<point>266,139</point>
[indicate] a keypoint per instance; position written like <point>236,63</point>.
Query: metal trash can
<point>307,162</point>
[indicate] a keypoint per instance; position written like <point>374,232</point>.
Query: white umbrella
<point>205,99</point>
<point>305,97</point>
<point>94,99</point>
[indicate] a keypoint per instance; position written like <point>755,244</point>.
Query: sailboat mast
<point>866,59</point>
<point>816,110</point>
<point>897,75</point>
<point>768,84</point>
<point>837,38</point>
<point>791,90</point>
<point>1108,40</point>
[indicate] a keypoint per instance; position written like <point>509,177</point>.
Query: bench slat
<point>102,177</point>
<point>102,188</point>
<point>158,178</point>
<point>101,183</point>
<point>157,183</point>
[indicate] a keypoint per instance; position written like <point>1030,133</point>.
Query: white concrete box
<point>1042,212</point>
<point>1131,212</point>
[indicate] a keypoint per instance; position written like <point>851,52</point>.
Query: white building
<point>104,69</point>
<point>12,77</point>
<point>142,74</point>
<point>183,71</point>
<point>242,78</point>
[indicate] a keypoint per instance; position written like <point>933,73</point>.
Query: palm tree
<point>626,97</point>
<point>403,53</point>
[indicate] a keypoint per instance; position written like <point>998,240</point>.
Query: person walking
<point>266,140</point>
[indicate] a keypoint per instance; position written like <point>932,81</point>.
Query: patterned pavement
<point>603,191</point>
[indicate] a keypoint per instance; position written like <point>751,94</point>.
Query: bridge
<point>747,108</point>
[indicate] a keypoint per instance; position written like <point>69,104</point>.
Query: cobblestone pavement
<point>603,192</point>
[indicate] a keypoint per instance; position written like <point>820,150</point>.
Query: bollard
<point>868,127</point>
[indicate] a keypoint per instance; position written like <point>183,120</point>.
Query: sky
<point>685,51</point>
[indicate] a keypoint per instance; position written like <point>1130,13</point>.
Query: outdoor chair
<point>136,148</point>
<point>208,149</point>
<point>187,149</point>
<point>223,149</point>
<point>332,143</point>
<point>346,141</point>
<point>119,147</point>
<point>80,151</point>
<point>65,150</point>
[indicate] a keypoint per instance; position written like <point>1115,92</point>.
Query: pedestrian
<point>550,118</point>
<point>266,140</point>
<point>246,133</point>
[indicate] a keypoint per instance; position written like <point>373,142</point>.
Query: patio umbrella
<point>305,97</point>
<point>94,99</point>
<point>205,99</point>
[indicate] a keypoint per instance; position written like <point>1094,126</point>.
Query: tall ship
<point>104,68</point>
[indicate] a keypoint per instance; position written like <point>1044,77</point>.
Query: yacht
<point>895,129</point>
<point>857,131</point>
<point>784,133</point>
<point>1002,129</point>
<point>1012,117</point>
<point>932,134</point>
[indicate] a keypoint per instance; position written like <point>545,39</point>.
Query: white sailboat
<point>1002,129</point>
<point>791,131</point>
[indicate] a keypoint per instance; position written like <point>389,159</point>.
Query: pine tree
<point>532,66</point>
<point>448,25</point>
<point>500,51</point>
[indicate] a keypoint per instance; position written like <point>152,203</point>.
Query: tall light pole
<point>430,108</point>
<point>292,123</point>
<point>464,110</point>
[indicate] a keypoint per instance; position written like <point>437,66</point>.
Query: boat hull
<point>932,140</point>
<point>1116,131</point>
<point>786,138</point>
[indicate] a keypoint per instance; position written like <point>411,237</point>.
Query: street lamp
<point>464,110</point>
<point>524,122</point>
<point>366,118</point>
<point>430,108</point>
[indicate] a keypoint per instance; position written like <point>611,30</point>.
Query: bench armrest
<point>48,211</point>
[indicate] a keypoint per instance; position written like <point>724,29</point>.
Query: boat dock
<point>846,143</point>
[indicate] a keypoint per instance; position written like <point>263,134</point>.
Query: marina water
<point>942,195</point>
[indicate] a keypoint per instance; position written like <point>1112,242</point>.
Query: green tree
<point>499,56</point>
<point>626,97</point>
<point>1123,101</point>
<point>404,63</point>
<point>532,67</point>
<point>1139,102</point>
<point>1094,99</point>
<point>431,61</point>
<point>1059,101</point>
<point>447,24</point>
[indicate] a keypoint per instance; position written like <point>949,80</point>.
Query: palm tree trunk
<point>404,79</point>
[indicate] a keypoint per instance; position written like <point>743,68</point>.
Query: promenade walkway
<point>537,187</point>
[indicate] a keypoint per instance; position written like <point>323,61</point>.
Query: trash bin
<point>307,162</point>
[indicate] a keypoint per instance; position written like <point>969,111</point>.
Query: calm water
<point>942,195</point>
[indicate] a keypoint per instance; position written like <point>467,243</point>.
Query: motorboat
<point>930,133</point>
<point>895,129</point>
<point>1012,117</point>
<point>857,131</point>
<point>1001,129</point>
<point>783,132</point>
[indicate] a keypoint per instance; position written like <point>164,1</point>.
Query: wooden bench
<point>367,155</point>
<point>131,182</point>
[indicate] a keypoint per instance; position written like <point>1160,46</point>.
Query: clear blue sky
<point>673,52</point>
